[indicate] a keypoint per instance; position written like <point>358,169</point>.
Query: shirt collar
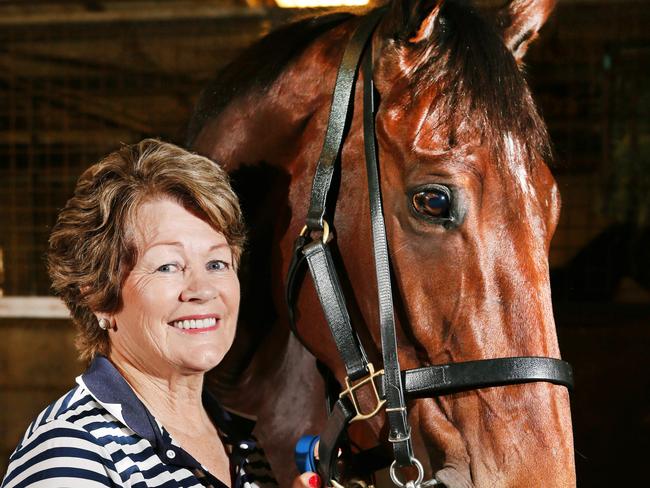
<point>110,389</point>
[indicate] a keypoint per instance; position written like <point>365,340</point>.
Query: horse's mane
<point>258,66</point>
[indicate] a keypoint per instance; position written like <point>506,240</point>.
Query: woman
<point>145,256</point>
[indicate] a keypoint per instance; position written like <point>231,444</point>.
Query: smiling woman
<point>104,231</point>
<point>145,256</point>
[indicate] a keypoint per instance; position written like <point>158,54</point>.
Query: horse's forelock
<point>475,85</point>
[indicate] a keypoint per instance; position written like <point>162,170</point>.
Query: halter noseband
<point>390,386</point>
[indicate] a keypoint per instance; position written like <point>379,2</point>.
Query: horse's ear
<point>412,20</point>
<point>520,22</point>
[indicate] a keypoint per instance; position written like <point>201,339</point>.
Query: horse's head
<point>470,208</point>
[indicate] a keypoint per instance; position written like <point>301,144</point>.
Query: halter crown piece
<point>390,386</point>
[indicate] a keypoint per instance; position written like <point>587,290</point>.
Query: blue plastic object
<point>305,460</point>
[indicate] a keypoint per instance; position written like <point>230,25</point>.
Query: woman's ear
<point>520,22</point>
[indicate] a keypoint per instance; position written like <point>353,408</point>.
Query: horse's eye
<point>433,202</point>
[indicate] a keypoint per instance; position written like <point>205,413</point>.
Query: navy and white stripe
<point>101,434</point>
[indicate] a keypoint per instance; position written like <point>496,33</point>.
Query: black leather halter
<point>390,386</point>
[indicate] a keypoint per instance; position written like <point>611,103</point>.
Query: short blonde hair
<point>92,249</point>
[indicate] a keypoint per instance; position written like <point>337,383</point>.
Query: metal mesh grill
<point>70,93</point>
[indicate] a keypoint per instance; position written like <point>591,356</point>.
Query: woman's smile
<point>196,323</point>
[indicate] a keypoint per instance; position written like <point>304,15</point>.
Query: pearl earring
<point>105,324</point>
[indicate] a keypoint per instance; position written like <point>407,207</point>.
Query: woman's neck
<point>175,400</point>
<point>169,397</point>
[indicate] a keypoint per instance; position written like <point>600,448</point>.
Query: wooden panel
<point>38,363</point>
<point>37,345</point>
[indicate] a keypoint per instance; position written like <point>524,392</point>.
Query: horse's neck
<point>268,140</point>
<point>268,127</point>
<point>265,139</point>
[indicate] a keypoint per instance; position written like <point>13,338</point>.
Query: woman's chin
<point>201,360</point>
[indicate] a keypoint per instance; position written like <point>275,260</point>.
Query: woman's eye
<point>168,268</point>
<point>433,202</point>
<point>217,265</point>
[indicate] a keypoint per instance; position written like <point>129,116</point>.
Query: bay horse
<point>470,208</point>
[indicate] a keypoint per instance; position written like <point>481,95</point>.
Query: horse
<point>470,206</point>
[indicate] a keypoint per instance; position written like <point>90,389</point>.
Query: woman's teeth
<point>195,324</point>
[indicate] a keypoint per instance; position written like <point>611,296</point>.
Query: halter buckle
<point>352,387</point>
<point>326,231</point>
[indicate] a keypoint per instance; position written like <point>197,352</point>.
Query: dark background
<point>78,78</point>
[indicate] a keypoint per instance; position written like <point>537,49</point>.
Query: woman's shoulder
<point>77,410</point>
<point>59,444</point>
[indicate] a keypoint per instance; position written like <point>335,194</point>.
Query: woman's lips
<point>199,331</point>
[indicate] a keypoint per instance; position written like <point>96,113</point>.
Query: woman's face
<point>181,299</point>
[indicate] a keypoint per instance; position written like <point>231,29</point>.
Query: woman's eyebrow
<point>219,246</point>
<point>164,243</point>
<point>180,244</point>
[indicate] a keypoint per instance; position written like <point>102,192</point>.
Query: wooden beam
<point>33,308</point>
<point>29,13</point>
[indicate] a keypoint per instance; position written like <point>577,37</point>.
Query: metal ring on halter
<point>326,231</point>
<point>415,483</point>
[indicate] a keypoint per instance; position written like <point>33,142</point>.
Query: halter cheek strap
<point>400,431</point>
<point>390,386</point>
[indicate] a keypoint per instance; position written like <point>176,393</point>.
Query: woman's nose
<point>199,287</point>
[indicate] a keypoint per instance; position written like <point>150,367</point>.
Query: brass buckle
<point>326,231</point>
<point>351,388</point>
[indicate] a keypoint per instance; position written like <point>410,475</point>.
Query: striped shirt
<point>101,434</point>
